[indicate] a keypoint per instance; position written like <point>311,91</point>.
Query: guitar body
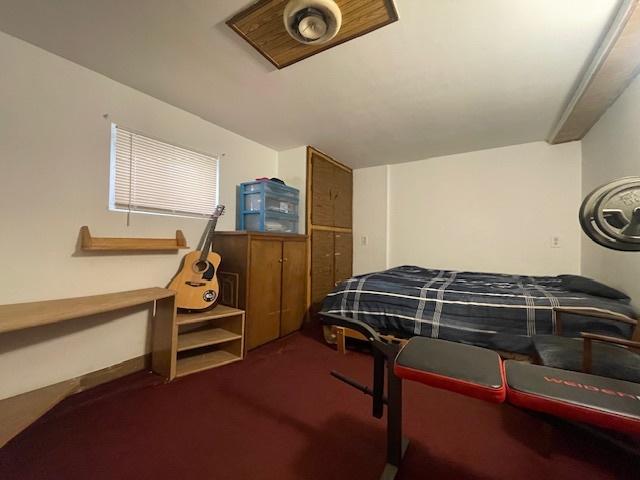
<point>196,284</point>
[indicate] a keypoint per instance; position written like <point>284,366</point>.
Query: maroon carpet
<point>279,415</point>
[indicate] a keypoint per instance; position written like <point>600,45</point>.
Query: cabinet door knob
<point>279,260</point>
<point>337,254</point>
<point>285,260</point>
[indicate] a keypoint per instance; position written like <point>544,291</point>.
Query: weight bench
<point>481,373</point>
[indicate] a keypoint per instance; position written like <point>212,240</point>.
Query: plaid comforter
<point>491,310</point>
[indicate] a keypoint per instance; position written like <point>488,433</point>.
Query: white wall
<point>370,215</point>
<point>292,169</point>
<point>609,151</point>
<point>492,210</point>
<point>54,168</point>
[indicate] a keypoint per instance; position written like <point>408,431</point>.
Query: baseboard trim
<point>93,379</point>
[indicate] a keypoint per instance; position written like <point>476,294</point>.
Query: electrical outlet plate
<point>555,241</point>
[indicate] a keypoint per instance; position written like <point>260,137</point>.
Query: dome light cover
<point>312,22</point>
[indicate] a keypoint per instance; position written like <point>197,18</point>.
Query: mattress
<point>493,310</point>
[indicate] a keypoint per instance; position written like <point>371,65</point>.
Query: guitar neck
<point>206,248</point>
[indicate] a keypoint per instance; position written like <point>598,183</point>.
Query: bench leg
<point>390,471</point>
<point>384,355</point>
<point>396,443</point>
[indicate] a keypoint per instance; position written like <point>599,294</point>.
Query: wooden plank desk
<point>19,412</point>
<point>18,316</point>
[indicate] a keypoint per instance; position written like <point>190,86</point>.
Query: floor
<point>280,415</point>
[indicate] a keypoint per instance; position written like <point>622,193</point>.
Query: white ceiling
<point>451,76</point>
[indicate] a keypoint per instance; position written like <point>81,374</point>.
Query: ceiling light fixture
<point>312,22</point>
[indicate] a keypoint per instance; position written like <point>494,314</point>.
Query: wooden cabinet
<point>294,287</point>
<point>322,173</point>
<point>331,263</point>
<point>322,266</point>
<point>265,279</point>
<point>271,281</point>
<point>342,256</point>
<point>342,198</point>
<point>329,223</point>
<point>331,192</point>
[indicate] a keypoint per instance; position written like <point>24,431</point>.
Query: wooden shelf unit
<point>109,244</point>
<point>205,361</point>
<point>208,339</point>
<point>202,338</point>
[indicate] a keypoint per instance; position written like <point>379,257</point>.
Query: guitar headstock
<point>219,211</point>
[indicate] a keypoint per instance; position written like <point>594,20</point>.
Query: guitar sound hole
<point>201,267</point>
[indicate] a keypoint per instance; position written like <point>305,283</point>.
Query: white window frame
<point>140,210</point>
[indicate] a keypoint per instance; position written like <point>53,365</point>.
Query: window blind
<point>153,176</point>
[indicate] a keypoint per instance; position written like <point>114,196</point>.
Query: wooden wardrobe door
<point>343,256</point>
<point>342,198</point>
<point>265,277</point>
<point>322,182</point>
<point>321,266</point>
<point>294,286</point>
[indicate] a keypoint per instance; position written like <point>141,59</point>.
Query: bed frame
<point>338,336</point>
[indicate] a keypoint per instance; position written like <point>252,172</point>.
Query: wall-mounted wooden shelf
<point>107,244</point>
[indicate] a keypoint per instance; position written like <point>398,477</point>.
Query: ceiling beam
<point>614,65</point>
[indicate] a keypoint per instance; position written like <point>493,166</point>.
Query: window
<point>152,176</point>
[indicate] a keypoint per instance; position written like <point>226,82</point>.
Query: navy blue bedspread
<point>492,310</point>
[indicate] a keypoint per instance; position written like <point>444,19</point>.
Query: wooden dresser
<point>269,272</point>
<point>329,224</point>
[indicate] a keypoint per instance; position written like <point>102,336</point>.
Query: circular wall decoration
<point>312,22</point>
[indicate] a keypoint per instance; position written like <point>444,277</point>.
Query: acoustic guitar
<point>196,283</point>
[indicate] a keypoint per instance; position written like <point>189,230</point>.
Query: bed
<point>497,311</point>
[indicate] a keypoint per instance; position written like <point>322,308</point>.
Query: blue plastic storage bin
<point>267,206</point>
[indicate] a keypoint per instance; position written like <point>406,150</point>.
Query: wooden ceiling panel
<point>262,25</point>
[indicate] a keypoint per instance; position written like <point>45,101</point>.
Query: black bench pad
<point>608,360</point>
<point>465,369</point>
<point>605,402</point>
